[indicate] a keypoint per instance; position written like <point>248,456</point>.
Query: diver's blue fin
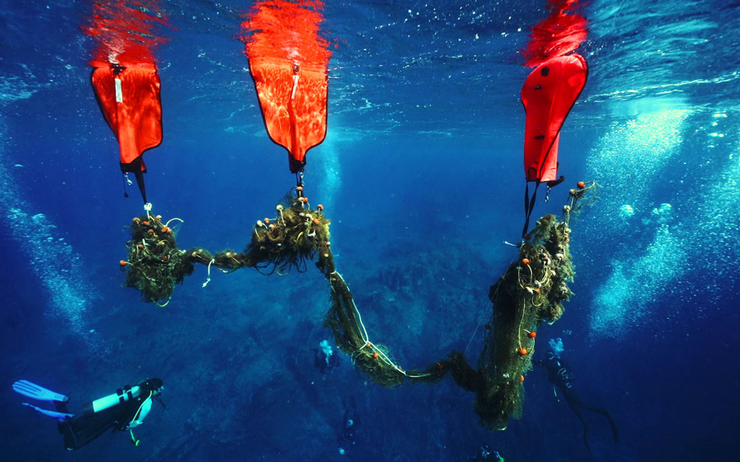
<point>26,388</point>
<point>60,416</point>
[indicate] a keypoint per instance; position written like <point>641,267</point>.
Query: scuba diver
<point>560,375</point>
<point>351,422</point>
<point>485,453</point>
<point>324,358</point>
<point>122,410</point>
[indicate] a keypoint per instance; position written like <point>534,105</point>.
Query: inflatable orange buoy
<point>525,261</point>
<point>581,185</point>
<point>548,95</point>
<point>320,207</point>
<point>123,263</point>
<point>440,366</point>
<point>523,351</point>
<point>128,96</point>
<point>521,378</point>
<point>532,334</point>
<point>288,60</point>
<point>375,354</point>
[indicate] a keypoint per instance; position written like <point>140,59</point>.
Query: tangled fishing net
<point>288,241</point>
<point>531,291</point>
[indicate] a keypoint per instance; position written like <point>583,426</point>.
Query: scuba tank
<point>150,387</point>
<point>121,395</point>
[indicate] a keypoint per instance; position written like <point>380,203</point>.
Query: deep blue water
<point>421,175</point>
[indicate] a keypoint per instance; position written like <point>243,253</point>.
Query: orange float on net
<point>165,229</point>
<point>581,185</point>
<point>320,207</point>
<point>316,221</point>
<point>299,188</point>
<point>523,351</point>
<point>123,263</point>
<point>525,261</point>
<point>375,354</point>
<point>521,378</point>
<point>532,334</point>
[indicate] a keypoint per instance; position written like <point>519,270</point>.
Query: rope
<point>208,279</point>
<point>170,220</point>
<point>481,317</point>
<point>136,416</point>
<point>368,344</point>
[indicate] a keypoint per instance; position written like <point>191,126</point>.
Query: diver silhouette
<point>486,453</point>
<point>350,424</point>
<point>121,411</point>
<point>325,359</point>
<point>561,376</point>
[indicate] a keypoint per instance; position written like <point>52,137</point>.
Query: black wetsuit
<point>346,438</point>
<point>321,363</point>
<point>560,375</point>
<point>82,429</point>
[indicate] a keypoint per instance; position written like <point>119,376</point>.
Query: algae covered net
<point>154,263</point>
<point>531,291</point>
<point>294,236</point>
<point>345,321</point>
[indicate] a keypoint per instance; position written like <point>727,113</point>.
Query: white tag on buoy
<point>119,92</point>
<point>295,86</point>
